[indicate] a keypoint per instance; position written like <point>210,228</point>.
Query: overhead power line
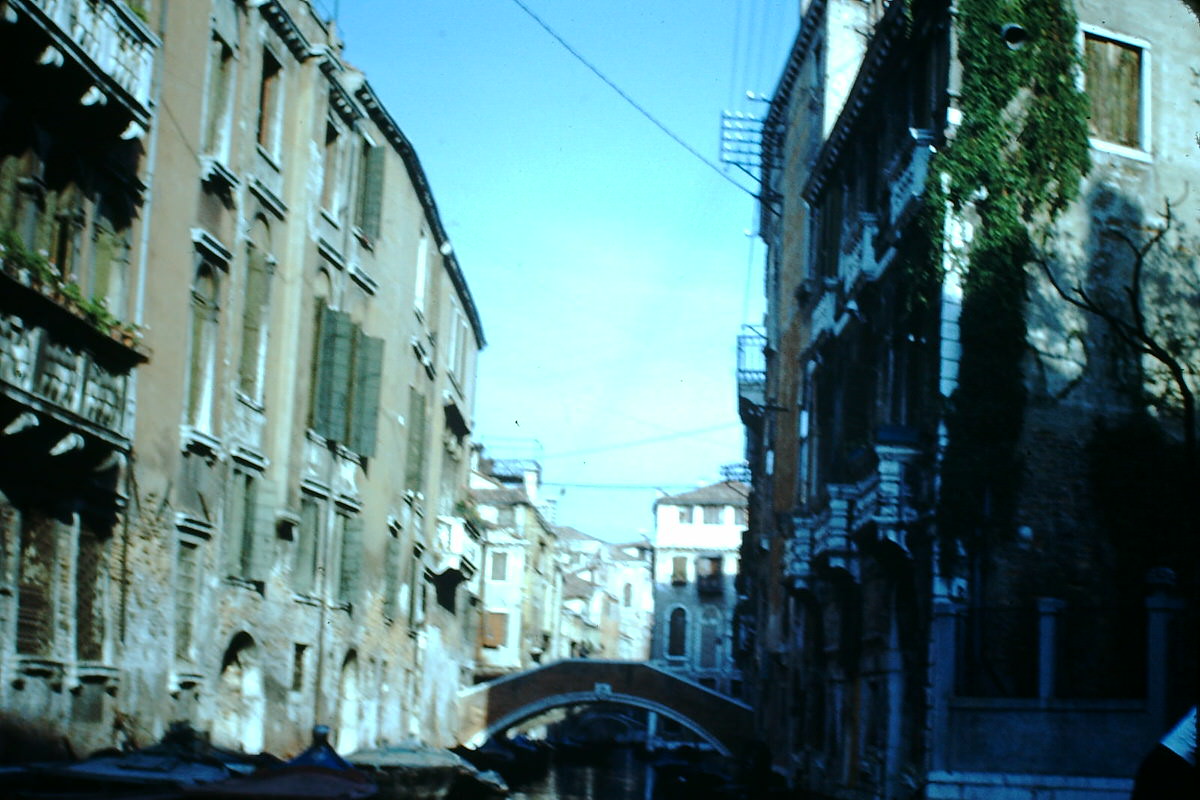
<point>641,109</point>
<point>638,443</point>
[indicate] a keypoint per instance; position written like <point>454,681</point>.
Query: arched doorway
<point>241,702</point>
<point>348,705</point>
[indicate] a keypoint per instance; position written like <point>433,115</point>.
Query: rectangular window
<point>269,103</point>
<point>298,656</point>
<point>369,210</point>
<point>416,580</point>
<point>241,528</point>
<point>215,140</point>
<point>739,516</point>
<point>186,572</point>
<point>89,598</point>
<point>415,466</point>
<point>347,372</point>
<point>495,628</point>
<point>830,212</point>
<point>709,578</point>
<point>37,561</point>
<point>499,566</point>
<point>349,536</point>
<point>332,170</point>
<point>712,515</point>
<point>422,283</point>
<point>679,570</point>
<point>391,574</point>
<point>309,545</point>
<point>685,515</point>
<point>1113,79</point>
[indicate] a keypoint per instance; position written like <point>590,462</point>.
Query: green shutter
<point>350,580</point>
<point>344,339</point>
<point>368,374</point>
<point>370,207</point>
<point>415,463</point>
<point>261,502</point>
<point>323,370</point>
<point>391,575</point>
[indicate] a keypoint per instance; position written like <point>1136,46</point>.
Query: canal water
<point>614,775</point>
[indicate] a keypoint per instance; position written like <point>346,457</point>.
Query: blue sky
<point>612,269</point>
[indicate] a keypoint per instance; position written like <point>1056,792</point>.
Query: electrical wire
<point>638,443</point>
<point>641,109</point>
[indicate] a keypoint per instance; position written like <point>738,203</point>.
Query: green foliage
<point>16,257</point>
<point>1017,160</point>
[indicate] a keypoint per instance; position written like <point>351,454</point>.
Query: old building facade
<point>283,480</point>
<point>696,539</point>
<point>941,409</point>
<point>608,603</point>
<point>522,583</point>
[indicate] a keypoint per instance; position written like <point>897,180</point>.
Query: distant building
<point>696,539</point>
<point>609,593</point>
<point>522,590</point>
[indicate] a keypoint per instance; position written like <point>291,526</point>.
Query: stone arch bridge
<point>490,708</point>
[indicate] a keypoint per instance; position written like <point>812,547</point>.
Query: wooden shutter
<point>495,628</point>
<point>342,360</point>
<point>35,609</point>
<point>368,375</point>
<point>89,606</point>
<point>391,575</point>
<point>1113,81</point>
<point>350,581</point>
<point>414,467</point>
<point>261,502</point>
<point>322,380</point>
<point>370,204</point>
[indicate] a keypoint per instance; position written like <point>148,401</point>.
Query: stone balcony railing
<point>107,40</point>
<point>56,362</point>
<point>906,174</point>
<point>65,380</point>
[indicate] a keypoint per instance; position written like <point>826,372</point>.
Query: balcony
<point>905,176</point>
<point>797,556</point>
<point>751,365</point>
<point>56,363</point>
<point>107,40</point>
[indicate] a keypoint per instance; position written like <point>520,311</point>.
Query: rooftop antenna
<point>741,137</point>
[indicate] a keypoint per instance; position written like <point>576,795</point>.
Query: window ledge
<point>363,239</point>
<point>1134,153</point>
<point>331,218</point>
<point>200,441</point>
<point>250,403</point>
<point>271,160</point>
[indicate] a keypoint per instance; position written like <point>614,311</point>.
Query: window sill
<point>271,160</point>
<point>1133,153</point>
<point>331,218</point>
<point>363,239</point>
<point>250,403</point>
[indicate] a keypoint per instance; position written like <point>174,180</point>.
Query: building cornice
<point>380,116</point>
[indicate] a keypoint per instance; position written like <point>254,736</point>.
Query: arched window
<point>677,633</point>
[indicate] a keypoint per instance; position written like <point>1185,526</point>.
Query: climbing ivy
<point>1017,160</point>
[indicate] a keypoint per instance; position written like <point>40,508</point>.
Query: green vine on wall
<point>1017,160</point>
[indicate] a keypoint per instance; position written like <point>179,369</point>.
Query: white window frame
<point>1145,98</point>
